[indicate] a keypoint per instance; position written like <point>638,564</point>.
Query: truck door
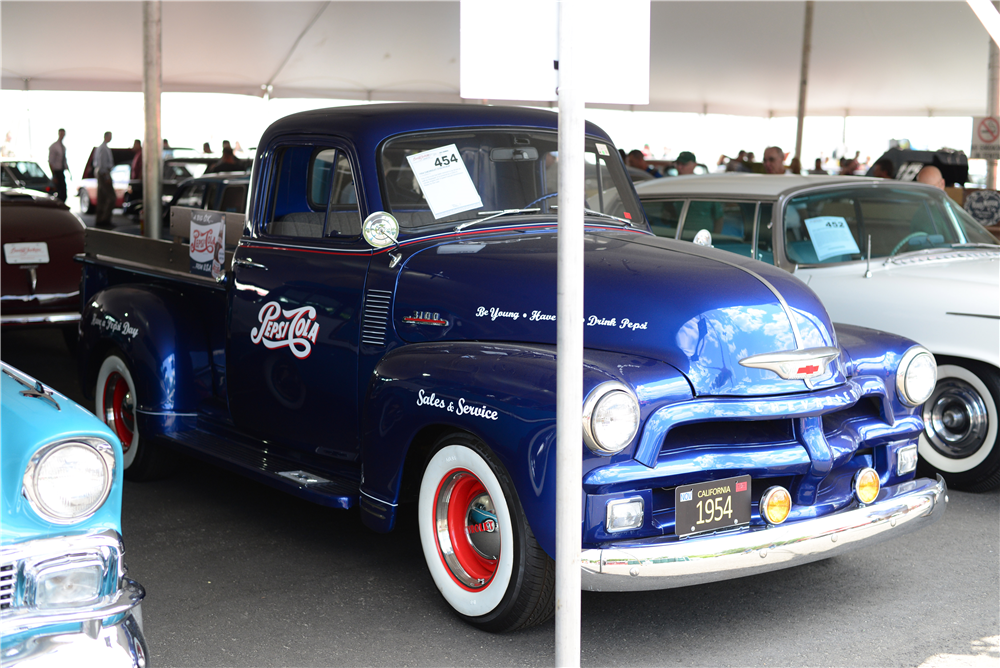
<point>295,303</point>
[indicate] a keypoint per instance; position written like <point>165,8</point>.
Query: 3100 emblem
<point>426,318</point>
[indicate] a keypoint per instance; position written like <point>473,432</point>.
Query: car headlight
<point>916,376</point>
<point>610,418</point>
<point>67,481</point>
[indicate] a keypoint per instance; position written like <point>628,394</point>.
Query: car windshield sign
<point>835,225</point>
<point>472,176</point>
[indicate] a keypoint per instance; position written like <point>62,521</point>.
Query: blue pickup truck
<point>380,330</point>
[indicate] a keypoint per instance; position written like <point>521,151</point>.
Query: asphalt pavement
<point>239,574</point>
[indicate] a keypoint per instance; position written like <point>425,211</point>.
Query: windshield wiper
<point>490,215</point>
<point>601,214</point>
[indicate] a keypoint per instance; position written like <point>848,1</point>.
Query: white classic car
<point>900,257</point>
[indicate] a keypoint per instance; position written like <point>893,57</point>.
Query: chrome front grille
<point>8,580</point>
<point>376,317</point>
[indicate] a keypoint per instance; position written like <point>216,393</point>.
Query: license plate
<point>712,506</point>
<point>30,252</point>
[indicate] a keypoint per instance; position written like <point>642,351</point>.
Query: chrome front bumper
<point>904,508</point>
<point>120,645</point>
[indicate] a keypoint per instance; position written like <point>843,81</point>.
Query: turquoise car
<point>64,595</point>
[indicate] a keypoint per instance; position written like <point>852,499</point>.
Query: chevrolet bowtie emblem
<point>806,365</point>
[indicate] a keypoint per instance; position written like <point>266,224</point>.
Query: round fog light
<point>866,485</point>
<point>775,504</point>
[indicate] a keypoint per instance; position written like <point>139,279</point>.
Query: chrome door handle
<point>249,263</point>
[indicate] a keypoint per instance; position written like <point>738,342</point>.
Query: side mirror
<point>381,229</point>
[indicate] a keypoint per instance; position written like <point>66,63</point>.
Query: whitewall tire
<point>960,427</point>
<point>478,546</point>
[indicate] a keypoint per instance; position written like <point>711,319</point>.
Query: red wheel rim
<point>118,409</point>
<point>459,501</point>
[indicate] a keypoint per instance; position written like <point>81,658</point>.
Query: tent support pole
<point>804,77</point>
<point>993,102</point>
<point>569,339</point>
<point>152,164</point>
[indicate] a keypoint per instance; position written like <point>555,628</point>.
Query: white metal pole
<point>993,103</point>
<point>804,77</point>
<point>569,340</point>
<point>152,149</point>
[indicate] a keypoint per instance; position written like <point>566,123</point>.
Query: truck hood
<point>698,309</point>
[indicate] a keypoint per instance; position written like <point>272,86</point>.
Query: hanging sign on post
<point>985,138</point>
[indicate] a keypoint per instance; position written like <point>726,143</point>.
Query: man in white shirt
<point>57,163</point>
<point>774,160</point>
<point>104,162</point>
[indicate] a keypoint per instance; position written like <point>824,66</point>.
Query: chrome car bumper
<point>904,508</point>
<point>120,645</point>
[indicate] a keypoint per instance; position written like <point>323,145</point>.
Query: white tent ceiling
<point>868,58</point>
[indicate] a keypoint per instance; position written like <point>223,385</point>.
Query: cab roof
<point>370,124</point>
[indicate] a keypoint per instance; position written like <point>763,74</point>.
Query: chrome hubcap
<point>955,419</point>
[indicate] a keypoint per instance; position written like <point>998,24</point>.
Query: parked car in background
<point>29,174</point>
<point>65,597</point>
<point>933,275</point>
<point>40,282</point>
<point>217,192</point>
<point>176,170</point>
<point>120,175</point>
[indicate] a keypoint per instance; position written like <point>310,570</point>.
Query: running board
<point>286,474</point>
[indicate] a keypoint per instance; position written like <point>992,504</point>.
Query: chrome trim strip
<point>375,498</point>
<point>974,315</point>
<point>40,297</point>
<point>904,508</point>
<point>39,318</point>
<point>168,413</point>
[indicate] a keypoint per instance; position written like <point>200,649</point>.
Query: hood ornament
<point>807,365</point>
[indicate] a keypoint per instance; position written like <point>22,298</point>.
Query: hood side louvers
<point>375,317</point>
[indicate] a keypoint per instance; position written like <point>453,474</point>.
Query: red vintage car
<point>120,175</point>
<point>40,282</point>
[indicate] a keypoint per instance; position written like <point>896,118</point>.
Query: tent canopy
<point>868,58</point>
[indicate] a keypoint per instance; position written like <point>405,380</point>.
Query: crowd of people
<point>774,161</point>
<point>103,162</point>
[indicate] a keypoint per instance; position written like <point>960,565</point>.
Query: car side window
<point>663,217</point>
<point>731,224</point>
<point>193,196</point>
<point>313,194</point>
<point>765,250</point>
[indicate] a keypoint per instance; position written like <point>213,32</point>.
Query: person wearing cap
<point>685,163</point>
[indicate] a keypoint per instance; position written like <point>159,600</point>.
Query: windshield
<point>430,179</point>
<point>834,225</point>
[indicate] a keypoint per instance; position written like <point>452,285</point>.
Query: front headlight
<point>67,481</point>
<point>610,418</point>
<point>916,376</point>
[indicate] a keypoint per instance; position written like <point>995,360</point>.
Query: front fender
<point>163,341</point>
<point>504,394</point>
